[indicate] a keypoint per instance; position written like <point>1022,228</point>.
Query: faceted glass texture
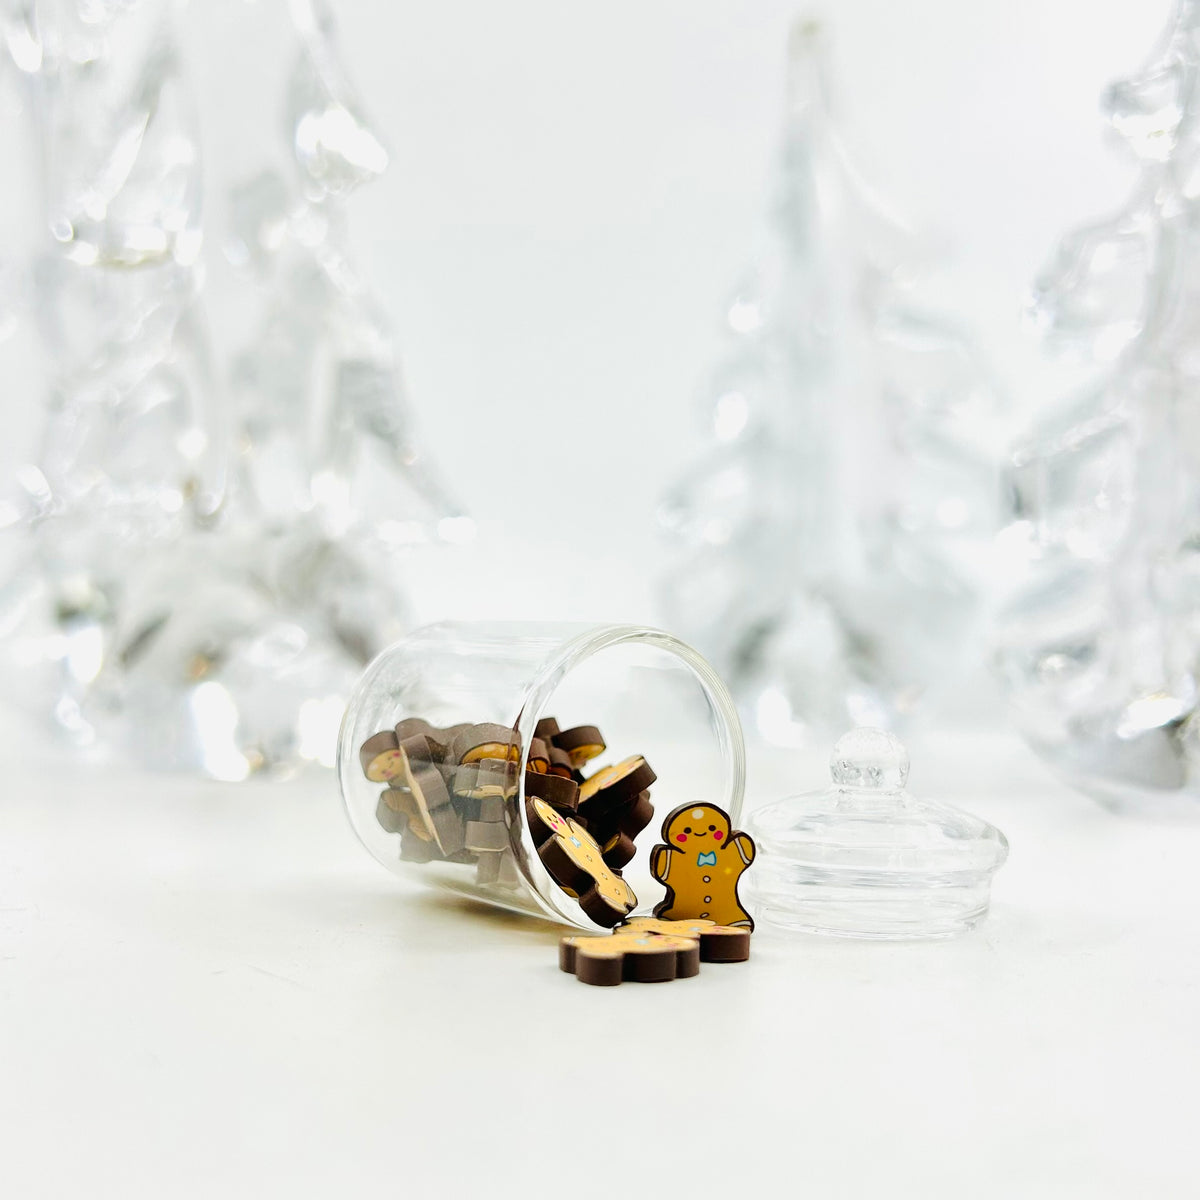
<point>209,543</point>
<point>1099,646</point>
<point>829,551</point>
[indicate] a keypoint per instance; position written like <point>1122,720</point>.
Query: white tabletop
<point>211,990</point>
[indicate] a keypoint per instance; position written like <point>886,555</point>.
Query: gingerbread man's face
<point>552,819</point>
<point>386,766</point>
<point>703,826</point>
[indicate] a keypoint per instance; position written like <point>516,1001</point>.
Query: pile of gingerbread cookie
<point>448,790</point>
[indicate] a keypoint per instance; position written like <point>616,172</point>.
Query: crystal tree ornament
<point>223,522</point>
<point>125,463</point>
<point>1099,646</point>
<point>829,545</point>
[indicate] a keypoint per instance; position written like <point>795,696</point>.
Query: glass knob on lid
<point>866,858</point>
<point>869,759</point>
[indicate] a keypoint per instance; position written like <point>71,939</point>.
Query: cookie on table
<point>629,955</point>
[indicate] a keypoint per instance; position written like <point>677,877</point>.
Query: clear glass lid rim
<point>960,834</point>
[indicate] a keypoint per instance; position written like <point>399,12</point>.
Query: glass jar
<point>648,693</point>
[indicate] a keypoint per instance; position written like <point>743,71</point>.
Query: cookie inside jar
<point>450,795</point>
<point>531,770</point>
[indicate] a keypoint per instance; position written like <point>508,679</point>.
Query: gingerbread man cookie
<point>700,866</point>
<point>576,864</point>
<point>629,954</point>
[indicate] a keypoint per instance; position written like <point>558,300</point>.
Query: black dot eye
<point>687,829</point>
<point>712,827</point>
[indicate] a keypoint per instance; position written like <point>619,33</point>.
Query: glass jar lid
<point>866,858</point>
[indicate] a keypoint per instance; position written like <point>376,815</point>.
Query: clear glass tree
<point>828,548</point>
<point>213,532</point>
<point>1099,645</point>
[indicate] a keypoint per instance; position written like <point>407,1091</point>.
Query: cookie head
<point>381,757</point>
<point>702,825</point>
<point>558,825</point>
<point>386,766</point>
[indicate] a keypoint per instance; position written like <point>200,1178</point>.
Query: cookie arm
<point>745,847</point>
<point>660,862</point>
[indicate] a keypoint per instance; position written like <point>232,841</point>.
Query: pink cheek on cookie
<point>718,836</point>
<point>681,837</point>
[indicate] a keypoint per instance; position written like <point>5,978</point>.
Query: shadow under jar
<point>473,828</point>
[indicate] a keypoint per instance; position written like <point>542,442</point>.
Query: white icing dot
<point>707,899</point>
<point>708,879</point>
<point>697,813</point>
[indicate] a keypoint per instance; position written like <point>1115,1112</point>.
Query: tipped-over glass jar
<point>521,764</point>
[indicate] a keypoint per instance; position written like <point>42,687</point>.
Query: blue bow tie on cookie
<point>707,860</point>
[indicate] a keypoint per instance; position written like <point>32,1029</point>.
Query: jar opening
<point>454,814</point>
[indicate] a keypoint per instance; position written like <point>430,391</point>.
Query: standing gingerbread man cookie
<point>700,866</point>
